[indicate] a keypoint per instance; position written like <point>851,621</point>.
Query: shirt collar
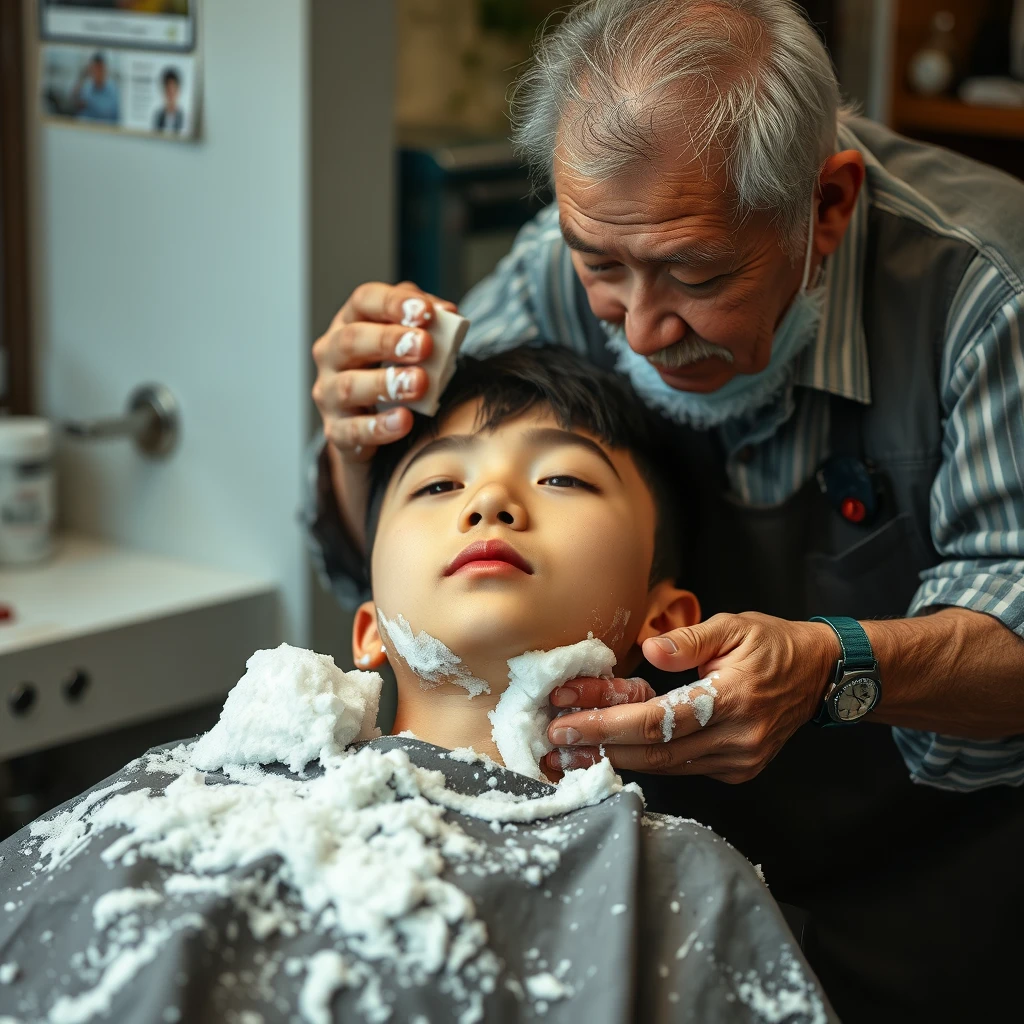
<point>837,361</point>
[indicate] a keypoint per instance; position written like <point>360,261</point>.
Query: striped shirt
<point>977,500</point>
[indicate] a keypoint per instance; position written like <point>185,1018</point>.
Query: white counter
<point>151,634</point>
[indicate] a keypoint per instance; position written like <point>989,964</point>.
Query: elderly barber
<point>831,316</point>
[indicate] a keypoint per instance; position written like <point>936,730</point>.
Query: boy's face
<point>558,529</point>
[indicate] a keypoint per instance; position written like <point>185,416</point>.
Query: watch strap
<point>856,646</point>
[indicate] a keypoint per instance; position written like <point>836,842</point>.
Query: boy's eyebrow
<point>540,437</point>
<point>450,442</point>
<point>552,437</point>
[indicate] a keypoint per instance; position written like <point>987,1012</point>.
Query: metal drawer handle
<point>151,419</point>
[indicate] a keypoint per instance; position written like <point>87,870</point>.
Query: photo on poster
<point>145,24</point>
<point>127,90</point>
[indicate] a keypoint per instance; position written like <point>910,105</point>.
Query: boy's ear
<point>366,641</point>
<point>668,608</point>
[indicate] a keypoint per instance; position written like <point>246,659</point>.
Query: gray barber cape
<point>645,918</point>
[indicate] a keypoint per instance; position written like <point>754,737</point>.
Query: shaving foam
<point>431,661</point>
<point>519,723</point>
<point>700,696</point>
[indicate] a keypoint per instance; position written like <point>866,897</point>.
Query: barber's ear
<point>668,608</point>
<point>839,184</point>
<point>366,642</point>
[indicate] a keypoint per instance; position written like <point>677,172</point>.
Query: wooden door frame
<point>14,253</point>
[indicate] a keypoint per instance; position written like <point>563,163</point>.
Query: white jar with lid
<point>27,490</point>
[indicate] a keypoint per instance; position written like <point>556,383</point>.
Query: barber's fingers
<point>654,722</point>
<point>351,346</point>
<point>675,757</point>
<point>401,303</point>
<point>601,693</point>
<point>358,437</point>
<point>359,390</point>
<point>698,645</point>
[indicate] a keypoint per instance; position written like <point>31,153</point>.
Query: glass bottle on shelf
<point>932,68</point>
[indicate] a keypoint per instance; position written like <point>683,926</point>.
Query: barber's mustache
<point>687,351</point>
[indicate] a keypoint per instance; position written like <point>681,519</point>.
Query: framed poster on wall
<point>147,92</point>
<point>142,24</point>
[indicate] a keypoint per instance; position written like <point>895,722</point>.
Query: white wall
<point>187,264</point>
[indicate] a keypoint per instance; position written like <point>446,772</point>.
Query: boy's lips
<point>489,551</point>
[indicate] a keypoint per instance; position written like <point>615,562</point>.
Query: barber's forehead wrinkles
<point>695,252</point>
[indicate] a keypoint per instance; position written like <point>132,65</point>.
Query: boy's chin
<point>490,637</point>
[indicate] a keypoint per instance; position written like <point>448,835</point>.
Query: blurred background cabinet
<point>983,37</point>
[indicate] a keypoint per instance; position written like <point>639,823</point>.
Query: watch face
<point>856,698</point>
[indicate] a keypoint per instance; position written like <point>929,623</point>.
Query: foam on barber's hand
<point>448,331</point>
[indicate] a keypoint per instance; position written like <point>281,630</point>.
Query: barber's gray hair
<point>744,80</point>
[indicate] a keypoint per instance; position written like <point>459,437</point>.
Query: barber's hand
<point>379,323</point>
<point>768,678</point>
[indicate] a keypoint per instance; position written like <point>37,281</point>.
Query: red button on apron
<point>853,510</point>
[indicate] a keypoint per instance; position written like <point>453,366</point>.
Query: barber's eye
<point>564,480</point>
<point>437,487</point>
<point>598,268</point>
<point>703,286</point>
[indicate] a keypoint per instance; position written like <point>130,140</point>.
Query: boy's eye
<point>564,480</point>
<point>437,487</point>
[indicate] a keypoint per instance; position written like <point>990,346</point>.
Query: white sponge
<point>448,331</point>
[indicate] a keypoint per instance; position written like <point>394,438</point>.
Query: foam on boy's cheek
<point>431,661</point>
<point>520,721</point>
<point>617,630</point>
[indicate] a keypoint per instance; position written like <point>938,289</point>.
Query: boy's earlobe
<point>668,608</point>
<point>366,642</point>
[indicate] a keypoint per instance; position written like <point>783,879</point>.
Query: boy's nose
<point>493,504</point>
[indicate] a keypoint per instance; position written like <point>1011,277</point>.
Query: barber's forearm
<point>351,485</point>
<point>955,672</point>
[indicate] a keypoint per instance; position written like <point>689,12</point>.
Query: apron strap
<point>845,434</point>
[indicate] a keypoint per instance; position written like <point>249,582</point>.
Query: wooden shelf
<point>944,115</point>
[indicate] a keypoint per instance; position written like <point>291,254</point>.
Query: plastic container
<point>27,490</point>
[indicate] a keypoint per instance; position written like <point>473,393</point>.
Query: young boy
<point>397,881</point>
<point>528,514</point>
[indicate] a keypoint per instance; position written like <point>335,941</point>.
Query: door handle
<point>151,419</point>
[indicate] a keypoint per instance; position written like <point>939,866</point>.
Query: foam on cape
<point>293,706</point>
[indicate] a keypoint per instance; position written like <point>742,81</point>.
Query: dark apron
<point>914,895</point>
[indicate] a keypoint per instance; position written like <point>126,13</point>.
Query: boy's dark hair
<point>579,396</point>
<point>170,75</point>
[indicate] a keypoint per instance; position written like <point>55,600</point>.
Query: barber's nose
<point>651,327</point>
<point>490,505</point>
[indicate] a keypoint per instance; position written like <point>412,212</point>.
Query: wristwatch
<point>856,686</point>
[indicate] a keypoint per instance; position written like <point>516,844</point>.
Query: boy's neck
<point>446,715</point>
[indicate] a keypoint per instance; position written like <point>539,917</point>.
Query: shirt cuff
<point>949,762</point>
<point>995,588</point>
<point>338,561</point>
<point>980,585</point>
